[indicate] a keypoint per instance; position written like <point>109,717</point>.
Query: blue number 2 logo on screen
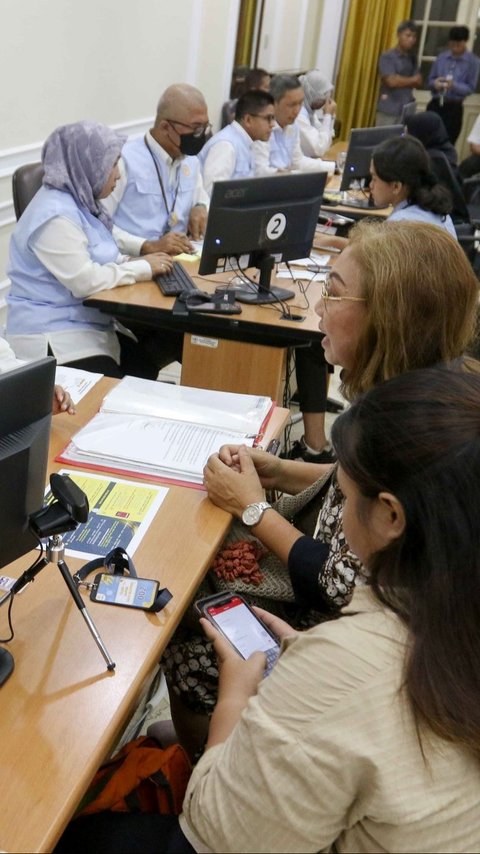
<point>276,225</point>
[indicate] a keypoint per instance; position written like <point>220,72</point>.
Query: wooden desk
<point>61,711</point>
<point>241,353</point>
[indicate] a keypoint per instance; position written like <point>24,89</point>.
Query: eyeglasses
<point>327,297</point>
<point>198,130</point>
<point>270,118</point>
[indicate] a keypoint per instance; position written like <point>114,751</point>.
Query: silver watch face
<point>253,513</point>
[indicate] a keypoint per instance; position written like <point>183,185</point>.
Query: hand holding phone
<point>238,623</point>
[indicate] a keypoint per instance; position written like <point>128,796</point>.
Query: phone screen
<point>120,590</point>
<point>242,628</point>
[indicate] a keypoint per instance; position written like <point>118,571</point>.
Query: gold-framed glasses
<point>328,297</point>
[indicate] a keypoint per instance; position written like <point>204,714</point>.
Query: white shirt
<point>474,135</point>
<point>327,757</point>
<point>62,247</point>
<point>316,132</point>
<point>299,162</point>
<point>221,159</point>
<point>130,243</point>
<point>8,360</point>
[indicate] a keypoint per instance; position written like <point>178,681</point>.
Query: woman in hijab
<point>62,251</point>
<point>428,127</point>
<point>317,116</point>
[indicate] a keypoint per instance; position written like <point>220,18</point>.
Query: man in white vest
<point>160,194</point>
<point>283,152</point>
<point>229,153</point>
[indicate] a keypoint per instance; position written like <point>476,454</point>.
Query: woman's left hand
<point>62,402</point>
<point>230,489</point>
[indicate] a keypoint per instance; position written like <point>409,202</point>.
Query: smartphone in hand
<point>238,623</point>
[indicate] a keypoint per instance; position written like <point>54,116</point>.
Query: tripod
<point>70,508</point>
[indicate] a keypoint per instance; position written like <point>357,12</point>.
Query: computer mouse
<point>6,665</point>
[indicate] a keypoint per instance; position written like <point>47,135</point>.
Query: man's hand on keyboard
<point>174,243</point>
<point>159,262</point>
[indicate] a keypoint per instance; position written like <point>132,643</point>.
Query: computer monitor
<point>260,222</point>
<point>26,396</point>
<point>359,154</point>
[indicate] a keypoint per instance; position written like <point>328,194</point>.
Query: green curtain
<point>371,29</point>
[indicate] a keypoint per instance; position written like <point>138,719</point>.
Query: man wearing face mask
<point>160,193</point>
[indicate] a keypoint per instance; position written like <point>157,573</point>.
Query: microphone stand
<point>64,514</point>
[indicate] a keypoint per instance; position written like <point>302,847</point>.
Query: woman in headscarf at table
<point>317,116</point>
<point>62,251</point>
<point>428,127</point>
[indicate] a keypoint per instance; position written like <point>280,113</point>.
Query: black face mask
<point>191,143</point>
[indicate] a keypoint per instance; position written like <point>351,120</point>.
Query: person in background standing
<point>399,74</point>
<point>454,75</point>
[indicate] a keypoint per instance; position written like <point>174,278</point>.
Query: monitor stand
<point>262,293</point>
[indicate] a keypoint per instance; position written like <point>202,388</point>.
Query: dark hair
<point>404,159</point>
<point>255,77</point>
<point>237,86</point>
<point>459,34</point>
<point>418,437</point>
<point>283,83</point>
<point>252,102</point>
<point>407,25</point>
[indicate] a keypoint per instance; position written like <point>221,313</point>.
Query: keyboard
<point>349,202</point>
<point>363,204</point>
<point>176,282</point>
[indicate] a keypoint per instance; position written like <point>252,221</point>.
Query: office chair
<point>26,181</point>
<point>471,191</point>
<point>442,169</point>
<point>465,227</point>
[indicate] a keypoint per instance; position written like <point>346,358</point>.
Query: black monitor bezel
<point>26,394</point>
<point>361,144</point>
<point>299,193</point>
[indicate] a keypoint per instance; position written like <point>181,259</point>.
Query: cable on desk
<point>285,308</point>
<point>11,597</point>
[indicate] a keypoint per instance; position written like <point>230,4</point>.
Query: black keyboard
<point>363,204</point>
<point>176,282</point>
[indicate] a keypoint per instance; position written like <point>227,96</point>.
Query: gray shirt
<point>391,101</point>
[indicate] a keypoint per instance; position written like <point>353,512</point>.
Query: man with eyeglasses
<point>160,194</point>
<point>229,153</point>
<point>283,153</point>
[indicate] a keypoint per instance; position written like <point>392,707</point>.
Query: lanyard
<point>172,216</point>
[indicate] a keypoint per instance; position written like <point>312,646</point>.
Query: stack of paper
<point>166,431</point>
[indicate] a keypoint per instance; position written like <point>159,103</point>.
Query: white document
<point>244,413</point>
<point>165,430</point>
<point>78,383</point>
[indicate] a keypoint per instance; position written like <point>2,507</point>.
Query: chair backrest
<point>446,176</point>
<point>26,181</point>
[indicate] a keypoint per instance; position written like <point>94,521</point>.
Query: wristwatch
<point>253,513</point>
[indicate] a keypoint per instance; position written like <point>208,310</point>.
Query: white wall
<point>108,60</point>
